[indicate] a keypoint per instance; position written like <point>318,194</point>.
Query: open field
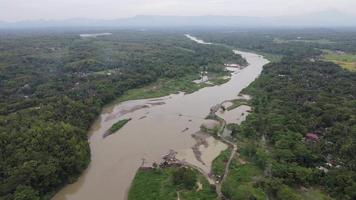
<point>219,164</point>
<point>239,183</point>
<point>165,86</point>
<point>314,194</point>
<point>157,184</point>
<point>345,60</point>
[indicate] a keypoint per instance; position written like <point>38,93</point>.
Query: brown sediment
<point>200,186</point>
<point>157,103</point>
<point>242,110</point>
<point>200,139</point>
<point>125,111</point>
<point>226,104</point>
<point>210,124</point>
<point>236,115</point>
<point>184,130</point>
<point>203,79</point>
<point>115,161</point>
<point>133,109</point>
<point>159,99</point>
<point>242,162</point>
<point>244,96</point>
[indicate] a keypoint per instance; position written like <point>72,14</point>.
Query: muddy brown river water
<point>157,126</point>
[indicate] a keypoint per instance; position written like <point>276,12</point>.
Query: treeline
<point>291,99</point>
<point>286,42</point>
<point>53,85</point>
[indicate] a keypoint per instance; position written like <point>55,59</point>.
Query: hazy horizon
<point>22,10</point>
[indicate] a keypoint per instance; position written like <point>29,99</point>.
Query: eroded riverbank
<point>158,126</point>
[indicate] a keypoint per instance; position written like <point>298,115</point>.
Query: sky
<point>18,10</point>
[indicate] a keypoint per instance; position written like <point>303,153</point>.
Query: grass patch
<point>345,60</point>
<point>164,87</point>
<point>219,163</point>
<point>239,184</point>
<point>272,57</point>
<point>237,103</point>
<point>117,126</point>
<point>157,184</point>
<point>314,194</point>
<point>219,80</point>
<point>214,131</point>
<point>351,66</point>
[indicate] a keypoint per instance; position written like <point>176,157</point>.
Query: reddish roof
<point>312,136</point>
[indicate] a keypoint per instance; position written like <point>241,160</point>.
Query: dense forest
<point>301,135</point>
<point>53,85</point>
<point>286,42</point>
<point>294,98</point>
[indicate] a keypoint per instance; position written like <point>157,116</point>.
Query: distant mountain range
<point>320,19</point>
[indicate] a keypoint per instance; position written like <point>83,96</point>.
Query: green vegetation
<point>286,108</point>
<point>53,85</point>
<point>294,96</point>
<point>165,86</point>
<point>317,41</point>
<point>213,130</point>
<point>185,178</point>
<point>219,80</point>
<point>345,60</point>
<point>26,193</point>
<point>262,42</point>
<point>314,194</point>
<point>163,184</point>
<point>306,43</point>
<point>237,103</point>
<point>219,163</point>
<point>271,57</point>
<point>240,184</point>
<point>117,126</point>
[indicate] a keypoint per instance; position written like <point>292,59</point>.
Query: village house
<point>311,137</point>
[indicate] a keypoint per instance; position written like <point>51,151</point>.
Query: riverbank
<point>68,82</point>
<point>160,125</point>
<point>272,138</point>
<point>220,165</point>
<point>217,174</point>
<point>165,87</point>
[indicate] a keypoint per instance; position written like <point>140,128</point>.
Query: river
<point>157,126</point>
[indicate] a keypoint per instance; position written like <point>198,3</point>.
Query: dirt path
<point>226,172</point>
<point>232,145</point>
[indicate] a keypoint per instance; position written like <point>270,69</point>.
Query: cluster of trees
<point>295,97</point>
<point>260,41</point>
<point>53,85</point>
<point>185,177</point>
<point>286,42</point>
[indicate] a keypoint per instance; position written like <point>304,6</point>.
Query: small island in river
<point>115,127</point>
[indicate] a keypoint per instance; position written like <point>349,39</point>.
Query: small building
<point>311,137</point>
<point>323,169</point>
